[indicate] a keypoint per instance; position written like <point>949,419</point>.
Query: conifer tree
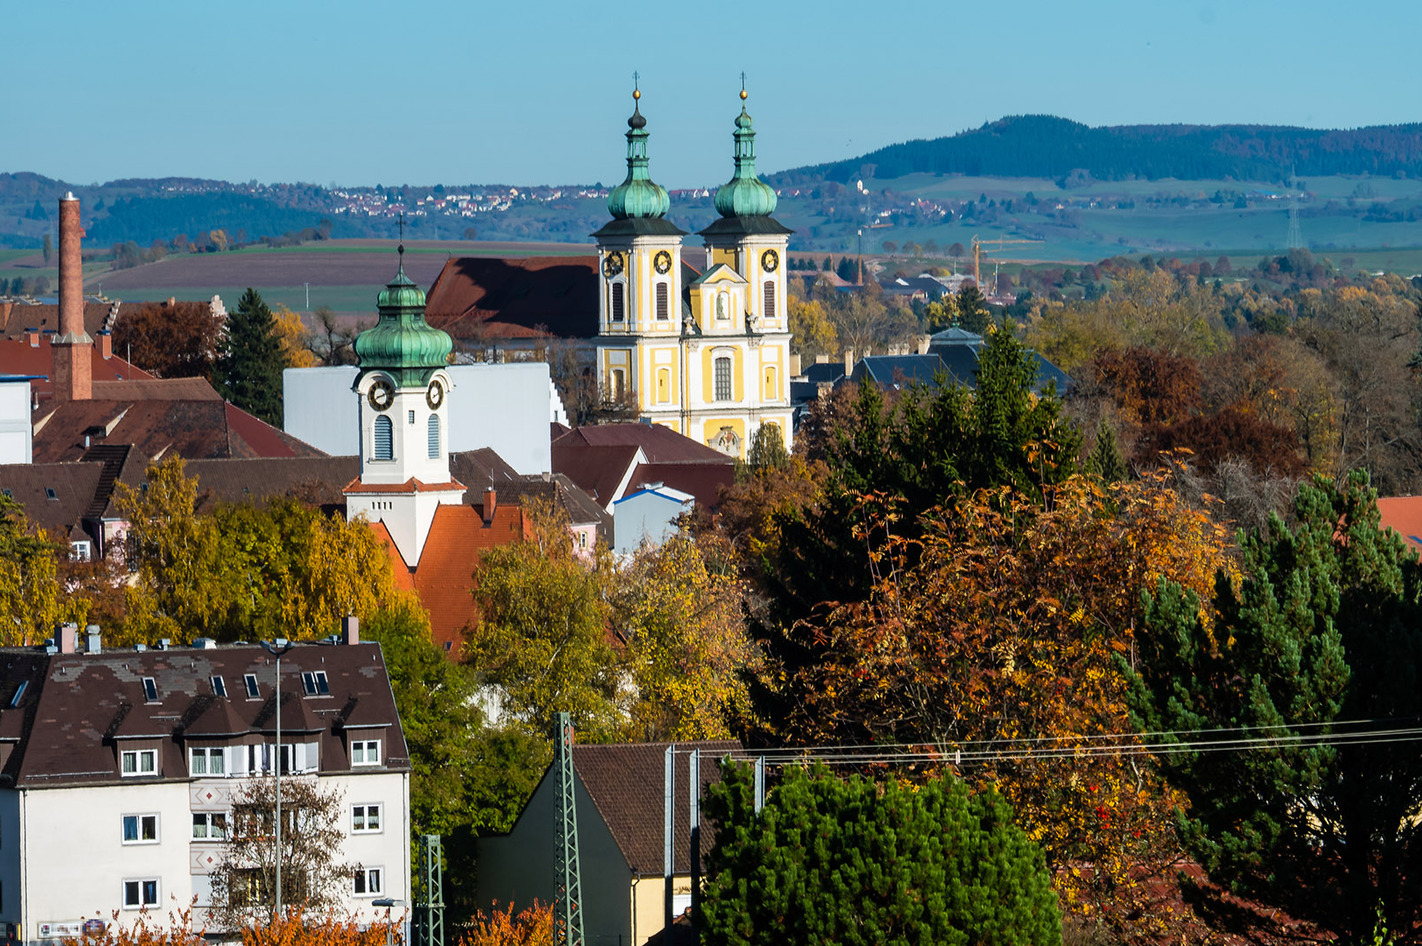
<point>1320,642</point>
<point>854,862</point>
<point>1105,461</point>
<point>249,368</point>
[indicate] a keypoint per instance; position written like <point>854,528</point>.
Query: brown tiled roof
<point>478,469</point>
<point>16,318</point>
<point>156,389</point>
<point>194,429</point>
<point>660,444</point>
<point>78,708</point>
<point>702,480</point>
<point>489,297</point>
<point>74,486</point>
<point>625,783</point>
<point>313,480</point>
<point>560,491</point>
<point>599,471</point>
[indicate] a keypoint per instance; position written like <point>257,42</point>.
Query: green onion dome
<point>402,343</point>
<point>638,196</point>
<point>745,195</point>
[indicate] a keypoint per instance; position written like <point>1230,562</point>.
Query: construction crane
<point>978,254</point>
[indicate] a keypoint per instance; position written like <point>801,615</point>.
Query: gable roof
<point>19,357</point>
<point>603,472</point>
<point>74,486</point>
<point>893,371</point>
<point>660,444</point>
<point>76,706</point>
<point>625,783</point>
<point>194,428</point>
<point>313,480</point>
<point>520,297</point>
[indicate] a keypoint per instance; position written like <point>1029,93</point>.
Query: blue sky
<point>424,91</point>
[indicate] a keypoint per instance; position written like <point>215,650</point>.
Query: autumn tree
<point>295,340</point>
<point>531,926</point>
<point>172,341</point>
<point>540,641</point>
<point>686,644</point>
<point>31,603</point>
<point>833,860</point>
<point>314,879</point>
<point>1312,657</point>
<point>812,331</point>
<point>249,366</point>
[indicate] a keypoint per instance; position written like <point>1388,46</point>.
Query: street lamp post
<point>276,648</point>
<point>387,903</point>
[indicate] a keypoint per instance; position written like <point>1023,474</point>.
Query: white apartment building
<point>118,769</point>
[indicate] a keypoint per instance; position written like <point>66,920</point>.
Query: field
<point>343,274</point>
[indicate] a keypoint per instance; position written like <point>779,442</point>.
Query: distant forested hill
<point>1050,147</point>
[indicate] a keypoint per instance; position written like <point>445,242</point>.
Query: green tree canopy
<point>249,367</point>
<point>1320,639</point>
<point>850,861</point>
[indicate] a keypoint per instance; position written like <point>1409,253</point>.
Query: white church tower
<point>403,388</point>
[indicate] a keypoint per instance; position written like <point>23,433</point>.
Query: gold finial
<point>743,87</point>
<point>636,92</point>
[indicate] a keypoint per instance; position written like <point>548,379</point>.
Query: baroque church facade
<point>706,354</point>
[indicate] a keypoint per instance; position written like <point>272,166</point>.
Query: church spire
<point>745,194</point>
<point>402,343</point>
<point>638,196</point>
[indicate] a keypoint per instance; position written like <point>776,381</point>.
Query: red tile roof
<point>1404,515</point>
<point>444,579</point>
<point>600,459</point>
<point>660,444</point>
<point>525,297</point>
<point>412,485</point>
<point>21,358</point>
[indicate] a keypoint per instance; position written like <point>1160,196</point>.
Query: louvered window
<point>722,368</point>
<point>384,449</point>
<point>769,312</point>
<point>663,302</point>
<point>434,436</point>
<point>617,302</point>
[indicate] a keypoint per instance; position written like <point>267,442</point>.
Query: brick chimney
<point>73,348</point>
<point>350,629</point>
<point>66,638</point>
<point>105,342</point>
<point>491,502</point>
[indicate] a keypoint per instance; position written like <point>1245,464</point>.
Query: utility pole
<point>568,897</point>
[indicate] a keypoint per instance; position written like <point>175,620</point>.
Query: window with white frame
<point>150,690</point>
<point>80,551</point>
<point>134,762</point>
<point>209,826</point>
<point>219,686</point>
<point>140,829</point>
<point>369,881</point>
<point>365,752</point>
<point>207,760</point>
<point>315,683</point>
<point>250,681</point>
<point>140,893</point>
<point>365,819</point>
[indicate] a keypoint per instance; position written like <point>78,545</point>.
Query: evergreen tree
<point>855,862</point>
<point>249,368</point>
<point>973,313</point>
<point>767,449</point>
<point>1106,461</point>
<point>1318,650</point>
<point>47,248</point>
<point>847,269</point>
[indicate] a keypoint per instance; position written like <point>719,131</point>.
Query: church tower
<point>402,390</point>
<point>742,363</point>
<point>640,292</point>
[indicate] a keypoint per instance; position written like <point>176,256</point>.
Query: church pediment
<point>720,274</point>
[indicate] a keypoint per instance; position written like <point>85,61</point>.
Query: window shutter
<point>769,312</point>
<point>434,436</point>
<point>383,447</point>
<point>617,302</point>
<point>662,302</point>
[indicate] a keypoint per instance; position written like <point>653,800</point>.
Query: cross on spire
<point>401,248</point>
<point>635,79</point>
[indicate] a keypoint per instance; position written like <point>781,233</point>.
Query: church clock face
<point>434,395</point>
<point>612,265</point>
<point>769,260</point>
<point>381,395</point>
<point>662,261</point>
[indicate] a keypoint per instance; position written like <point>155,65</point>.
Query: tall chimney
<point>73,348</point>
<point>491,502</point>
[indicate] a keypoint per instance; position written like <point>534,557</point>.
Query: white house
<point>118,769</point>
<point>648,515</point>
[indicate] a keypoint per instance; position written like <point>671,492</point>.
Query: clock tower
<point>402,389</point>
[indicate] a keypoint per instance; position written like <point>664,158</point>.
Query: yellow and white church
<point>706,354</point>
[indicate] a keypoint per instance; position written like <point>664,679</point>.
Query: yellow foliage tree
<point>294,337</point>
<point>31,602</point>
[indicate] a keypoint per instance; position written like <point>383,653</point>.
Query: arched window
<point>384,447</point>
<point>722,373</point>
<point>434,436</point>
<point>663,302</point>
<point>769,312</point>
<point>617,301</point>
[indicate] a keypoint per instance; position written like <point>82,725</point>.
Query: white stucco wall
<point>16,439</point>
<point>506,407</point>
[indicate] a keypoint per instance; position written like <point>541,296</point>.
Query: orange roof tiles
<point>1404,515</point>
<point>524,297</point>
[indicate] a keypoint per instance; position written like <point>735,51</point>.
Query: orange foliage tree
<point>992,640</point>
<point>532,926</point>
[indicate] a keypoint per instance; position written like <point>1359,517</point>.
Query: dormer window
<point>315,684</point>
